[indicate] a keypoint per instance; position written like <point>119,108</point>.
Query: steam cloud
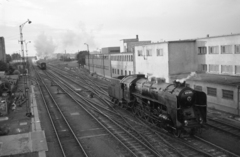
<point>73,40</point>
<point>188,77</point>
<point>44,46</point>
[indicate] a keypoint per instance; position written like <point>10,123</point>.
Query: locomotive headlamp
<point>200,120</point>
<point>186,122</point>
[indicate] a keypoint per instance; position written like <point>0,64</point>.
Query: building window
<point>118,71</point>
<point>149,52</point>
<point>213,49</point>
<point>131,58</point>
<point>227,94</point>
<point>140,53</point>
<point>129,72</point>
<point>213,68</point>
<point>227,69</point>
<point>198,88</point>
<point>113,71</point>
<point>121,72</point>
<point>159,52</point>
<point>211,91</point>
<point>226,49</point>
<point>237,69</point>
<point>237,49</point>
<point>203,67</point>
<point>202,50</point>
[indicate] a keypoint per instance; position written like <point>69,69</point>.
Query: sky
<point>103,23</point>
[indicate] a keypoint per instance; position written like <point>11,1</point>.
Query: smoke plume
<point>188,77</point>
<point>44,46</point>
<point>75,39</point>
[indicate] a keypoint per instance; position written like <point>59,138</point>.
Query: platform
<point>23,143</point>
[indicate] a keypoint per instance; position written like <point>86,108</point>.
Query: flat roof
<point>219,36</point>
<point>211,78</point>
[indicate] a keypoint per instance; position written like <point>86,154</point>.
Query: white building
<point>165,58</point>
<point>219,54</point>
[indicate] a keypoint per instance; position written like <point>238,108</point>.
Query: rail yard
<point>79,119</point>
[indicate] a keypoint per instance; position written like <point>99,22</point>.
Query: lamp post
<point>21,39</point>
<point>88,56</point>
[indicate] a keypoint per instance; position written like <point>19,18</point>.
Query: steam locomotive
<point>42,65</point>
<point>172,106</point>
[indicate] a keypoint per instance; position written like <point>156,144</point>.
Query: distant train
<point>42,65</point>
<point>172,106</point>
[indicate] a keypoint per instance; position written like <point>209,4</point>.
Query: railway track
<point>67,139</point>
<point>197,143</point>
<point>135,146</point>
<point>224,127</point>
<point>159,143</point>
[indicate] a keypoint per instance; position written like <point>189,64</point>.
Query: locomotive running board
<point>144,97</point>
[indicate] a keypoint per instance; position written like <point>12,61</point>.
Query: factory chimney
<point>137,37</point>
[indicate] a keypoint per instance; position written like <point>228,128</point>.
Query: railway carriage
<point>173,106</point>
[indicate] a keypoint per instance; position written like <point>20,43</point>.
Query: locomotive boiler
<point>169,105</point>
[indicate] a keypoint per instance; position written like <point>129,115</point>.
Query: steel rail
<point>70,128</point>
<point>87,101</point>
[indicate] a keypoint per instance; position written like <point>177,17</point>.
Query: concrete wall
<point>182,57</point>
<point>217,102</point>
<point>152,65</point>
<point>218,59</point>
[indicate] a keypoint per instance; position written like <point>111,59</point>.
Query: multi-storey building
<point>164,59</point>
<point>219,54</point>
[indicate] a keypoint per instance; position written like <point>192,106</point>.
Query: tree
<point>3,66</point>
<point>8,58</point>
<point>81,57</point>
<point>16,56</point>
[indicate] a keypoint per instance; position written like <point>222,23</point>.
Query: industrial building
<point>2,49</point>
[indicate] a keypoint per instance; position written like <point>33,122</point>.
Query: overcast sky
<point>103,23</point>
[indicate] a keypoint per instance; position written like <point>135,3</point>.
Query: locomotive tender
<point>172,106</point>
